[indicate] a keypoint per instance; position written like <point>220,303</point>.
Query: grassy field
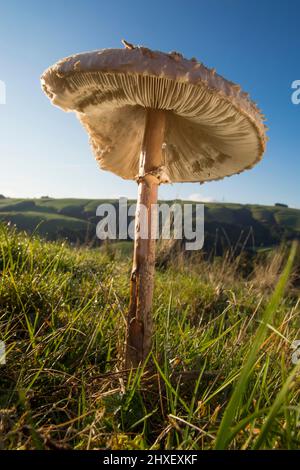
<point>220,375</point>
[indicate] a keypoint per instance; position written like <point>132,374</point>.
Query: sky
<point>44,151</point>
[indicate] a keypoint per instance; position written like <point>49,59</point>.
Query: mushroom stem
<point>139,320</point>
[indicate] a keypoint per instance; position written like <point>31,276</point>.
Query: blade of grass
<point>278,402</point>
<point>224,435</point>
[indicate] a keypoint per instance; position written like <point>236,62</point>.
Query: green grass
<point>220,374</point>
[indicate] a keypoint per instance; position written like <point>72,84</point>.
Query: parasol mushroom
<point>156,118</point>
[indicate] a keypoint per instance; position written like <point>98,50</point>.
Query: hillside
<point>251,226</point>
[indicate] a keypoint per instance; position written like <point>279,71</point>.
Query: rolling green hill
<point>226,225</point>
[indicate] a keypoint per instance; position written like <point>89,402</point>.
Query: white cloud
<point>197,197</point>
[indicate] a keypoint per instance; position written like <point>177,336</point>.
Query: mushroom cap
<point>213,129</point>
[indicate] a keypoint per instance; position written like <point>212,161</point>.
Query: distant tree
<point>2,197</point>
<point>280,204</point>
<point>45,197</point>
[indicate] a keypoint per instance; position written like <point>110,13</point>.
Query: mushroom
<point>156,118</point>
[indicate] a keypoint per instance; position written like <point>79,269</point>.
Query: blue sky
<point>44,151</point>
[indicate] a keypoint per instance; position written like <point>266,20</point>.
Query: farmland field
<point>226,225</point>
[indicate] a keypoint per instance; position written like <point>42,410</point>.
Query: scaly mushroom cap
<point>213,129</point>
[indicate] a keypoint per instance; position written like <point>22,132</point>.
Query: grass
<point>220,374</point>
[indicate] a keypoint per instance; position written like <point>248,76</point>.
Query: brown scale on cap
<point>127,44</point>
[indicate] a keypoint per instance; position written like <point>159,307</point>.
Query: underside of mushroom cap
<point>213,129</point>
